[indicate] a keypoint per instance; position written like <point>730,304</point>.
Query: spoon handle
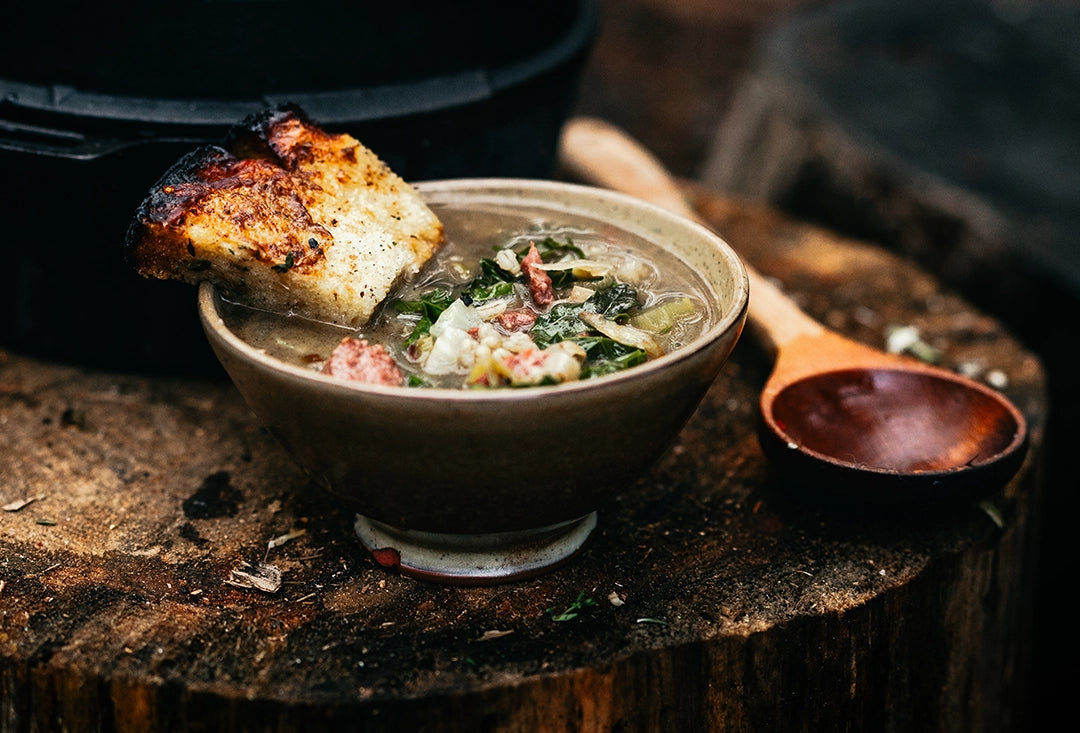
<point>598,153</point>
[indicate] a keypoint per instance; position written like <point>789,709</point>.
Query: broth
<point>477,232</point>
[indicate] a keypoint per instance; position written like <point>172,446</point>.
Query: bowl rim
<point>212,322</point>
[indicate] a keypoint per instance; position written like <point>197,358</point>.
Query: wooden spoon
<point>840,418</point>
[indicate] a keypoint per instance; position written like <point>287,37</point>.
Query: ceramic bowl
<point>484,486</point>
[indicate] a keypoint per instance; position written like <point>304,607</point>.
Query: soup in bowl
<point>463,468</point>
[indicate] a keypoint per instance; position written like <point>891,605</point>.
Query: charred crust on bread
<point>260,208</point>
<point>287,214</point>
<point>252,137</point>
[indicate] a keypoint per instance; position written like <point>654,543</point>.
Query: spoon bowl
<point>837,417</point>
<point>886,431</point>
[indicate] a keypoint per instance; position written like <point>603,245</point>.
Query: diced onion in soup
<point>580,268</point>
<point>662,317</point>
<point>457,316</point>
<point>623,334</point>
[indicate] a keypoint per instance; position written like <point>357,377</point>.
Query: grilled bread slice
<point>285,217</point>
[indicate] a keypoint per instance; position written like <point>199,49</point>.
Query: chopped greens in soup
<point>543,305</point>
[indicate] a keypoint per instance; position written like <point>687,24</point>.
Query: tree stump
<point>708,598</point>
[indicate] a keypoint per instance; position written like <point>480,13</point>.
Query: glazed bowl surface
<point>484,485</point>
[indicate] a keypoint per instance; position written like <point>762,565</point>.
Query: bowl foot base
<point>474,559</point>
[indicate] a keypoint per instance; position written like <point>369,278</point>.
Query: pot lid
<point>211,62</point>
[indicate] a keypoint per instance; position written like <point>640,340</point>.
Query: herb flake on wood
<point>574,609</point>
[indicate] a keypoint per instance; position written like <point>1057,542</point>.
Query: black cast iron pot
<point>95,103</point>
